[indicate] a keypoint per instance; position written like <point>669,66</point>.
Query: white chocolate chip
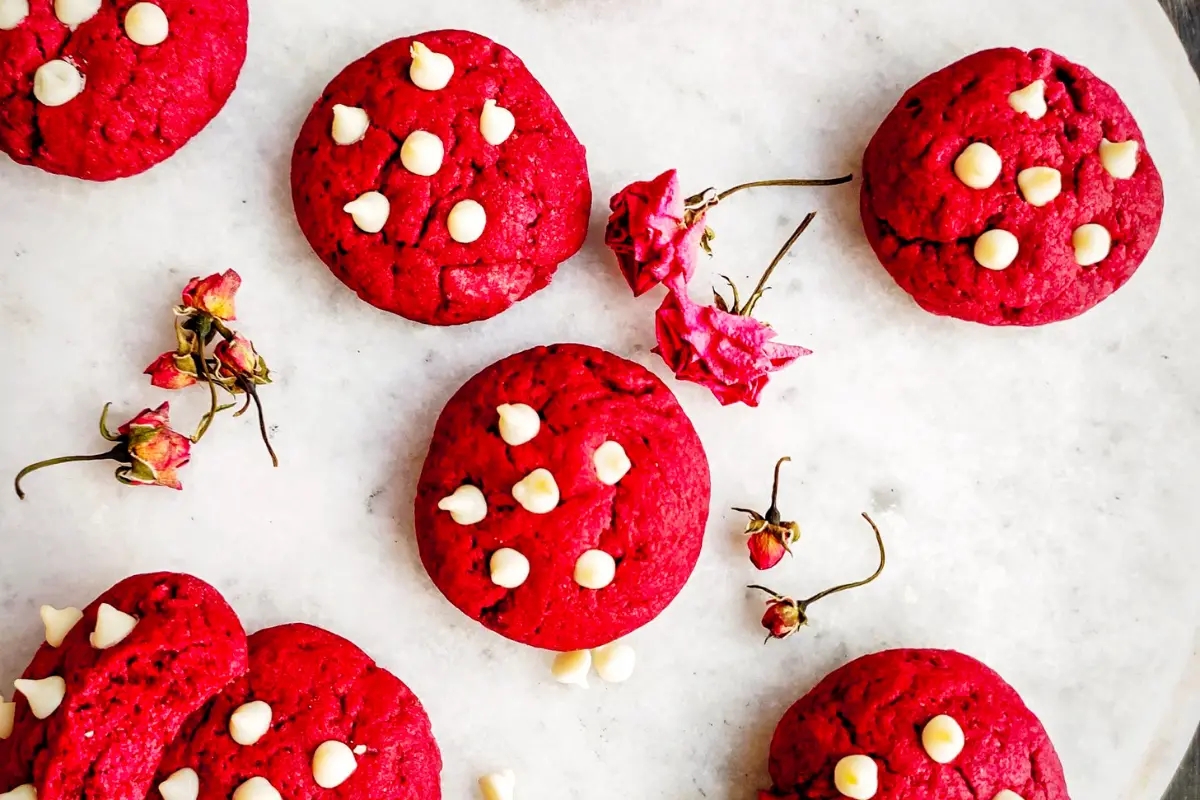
<point>611,462</point>
<point>250,722</point>
<point>349,124</point>
<point>614,662</point>
<point>1092,244</point>
<point>942,737</point>
<point>422,153</point>
<point>370,211</point>
<point>59,623</point>
<point>499,785</point>
<point>430,71</point>
<point>332,764</point>
<point>595,569</point>
<point>1007,794</point>
<point>978,166</point>
<point>572,668</point>
<point>537,492</point>
<point>509,569</point>
<point>184,784</point>
<point>112,626</point>
<point>360,750</point>
<point>13,13</point>
<point>467,506</point>
<point>496,123</point>
<point>44,696</point>
<point>57,82</point>
<point>996,249</point>
<point>146,24</point>
<point>256,789</point>
<point>8,712</point>
<point>25,791</point>
<point>1120,159</point>
<point>466,222</point>
<point>75,12</point>
<point>1031,100</point>
<point>857,777</point>
<point>519,423</point>
<point>89,734</point>
<point>1040,185</point>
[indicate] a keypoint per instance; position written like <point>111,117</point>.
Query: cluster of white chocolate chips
<point>59,80</point>
<point>857,776</point>
<point>537,493</point>
<point>422,152</point>
<point>613,662</point>
<point>979,167</point>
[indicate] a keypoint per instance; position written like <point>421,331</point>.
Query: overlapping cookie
<point>1011,188</point>
<point>112,685</point>
<point>905,724</point>
<point>104,89</point>
<point>564,498</point>
<point>437,178</point>
<point>314,717</point>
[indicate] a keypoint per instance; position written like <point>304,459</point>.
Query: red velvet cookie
<point>564,498</point>
<point>108,713</point>
<point>86,99</point>
<point>1010,188</point>
<point>469,196</point>
<point>313,714</point>
<point>913,724</point>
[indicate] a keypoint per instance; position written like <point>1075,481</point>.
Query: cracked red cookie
<point>913,723</point>
<point>437,179</point>
<point>314,717</point>
<point>93,714</point>
<point>105,89</point>
<point>563,500</point>
<point>1010,188</point>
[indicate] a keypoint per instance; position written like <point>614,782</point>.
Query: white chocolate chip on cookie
<point>572,668</point>
<point>499,785</point>
<point>1092,244</point>
<point>467,506</point>
<point>1031,100</point>
<point>112,626</point>
<point>422,153</point>
<point>59,623</point>
<point>857,777</point>
<point>146,24</point>
<point>360,750</point>
<point>332,764</point>
<point>250,722</point>
<point>44,696</point>
<point>467,222</point>
<point>56,83</point>
<point>25,791</point>
<point>614,662</point>
<point>13,13</point>
<point>519,423</point>
<point>943,740</point>
<point>75,12</point>
<point>257,788</point>
<point>183,784</point>
<point>1120,159</point>
<point>430,71</point>
<point>537,492</point>
<point>611,463</point>
<point>496,123</point>
<point>978,166</point>
<point>1039,185</point>
<point>370,212</point>
<point>595,569</point>
<point>350,124</point>
<point>1007,794</point>
<point>8,713</point>
<point>509,569</point>
<point>996,249</point>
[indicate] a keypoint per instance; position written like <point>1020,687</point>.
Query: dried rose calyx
<point>769,537</point>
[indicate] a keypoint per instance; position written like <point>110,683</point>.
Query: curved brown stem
<point>262,423</point>
<point>118,453</point>
<point>846,586</point>
<point>788,182</point>
<point>773,511</point>
<point>757,294</point>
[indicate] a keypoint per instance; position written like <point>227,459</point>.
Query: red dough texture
<point>923,221</point>
<point>878,705</point>
<point>139,104</point>
<point>534,186</point>
<point>652,522</point>
<point>320,688</point>
<point>125,703</point>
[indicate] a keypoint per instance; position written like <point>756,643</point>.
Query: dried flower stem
<point>761,288</point>
<point>118,453</point>
<point>790,182</point>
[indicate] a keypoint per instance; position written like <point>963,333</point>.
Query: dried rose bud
<point>172,371</point>
<point>213,295</point>
<point>769,537</point>
<point>238,358</point>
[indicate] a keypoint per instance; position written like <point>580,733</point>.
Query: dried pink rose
<point>172,371</point>
<point>213,295</point>
<point>648,233</point>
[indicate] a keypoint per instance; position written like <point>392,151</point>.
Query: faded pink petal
<point>648,236</point>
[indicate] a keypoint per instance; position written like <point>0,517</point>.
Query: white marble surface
<point>1037,487</point>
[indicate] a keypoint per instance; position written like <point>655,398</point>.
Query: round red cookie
<point>651,521</point>
<point>139,103</point>
<point>320,688</point>
<point>124,703</point>
<point>879,705</point>
<point>533,186</point>
<point>923,221</point>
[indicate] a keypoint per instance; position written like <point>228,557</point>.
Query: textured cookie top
<point>533,186</point>
<point>925,221</point>
<point>139,103</point>
<point>613,488</point>
<point>879,706</point>
<point>319,688</point>
<point>123,703</point>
